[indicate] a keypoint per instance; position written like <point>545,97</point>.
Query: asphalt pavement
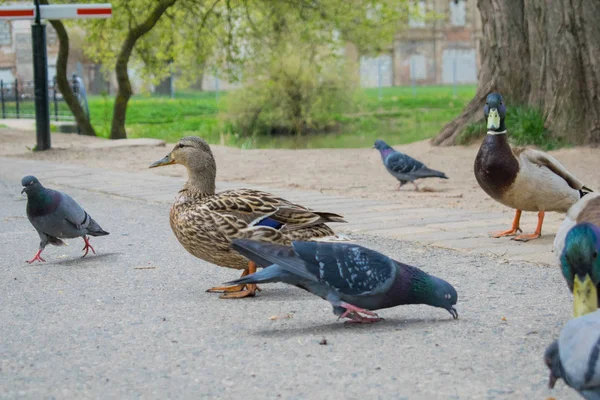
<point>134,321</point>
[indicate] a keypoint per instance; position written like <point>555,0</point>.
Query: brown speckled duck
<point>205,222</point>
<point>521,178</point>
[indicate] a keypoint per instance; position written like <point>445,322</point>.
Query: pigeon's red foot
<point>37,257</point>
<point>353,313</point>
<point>87,247</point>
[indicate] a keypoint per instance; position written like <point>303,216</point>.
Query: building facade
<point>441,48</point>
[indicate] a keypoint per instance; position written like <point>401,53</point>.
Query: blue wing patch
<point>270,222</point>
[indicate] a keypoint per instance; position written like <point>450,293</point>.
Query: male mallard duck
<point>577,244</point>
<point>580,266</point>
<point>205,222</point>
<point>520,178</point>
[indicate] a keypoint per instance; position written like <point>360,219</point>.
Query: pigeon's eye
<point>30,183</point>
<point>595,255</point>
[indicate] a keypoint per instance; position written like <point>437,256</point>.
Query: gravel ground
<point>134,320</point>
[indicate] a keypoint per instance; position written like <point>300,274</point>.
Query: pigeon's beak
<point>167,160</point>
<point>453,312</point>
<point>552,380</point>
<point>585,296</point>
<point>23,190</point>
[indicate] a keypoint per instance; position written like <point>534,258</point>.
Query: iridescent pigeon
<point>354,279</point>
<point>575,356</point>
<point>403,167</point>
<point>55,216</point>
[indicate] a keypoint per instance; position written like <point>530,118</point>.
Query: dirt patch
<point>351,172</point>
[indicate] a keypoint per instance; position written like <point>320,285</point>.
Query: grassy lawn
<point>401,116</point>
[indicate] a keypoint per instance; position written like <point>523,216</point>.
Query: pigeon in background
<point>55,216</point>
<point>403,167</point>
<point>574,357</point>
<point>354,279</point>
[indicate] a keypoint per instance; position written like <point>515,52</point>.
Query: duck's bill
<point>453,312</point>
<point>493,121</point>
<point>167,160</point>
<point>585,296</point>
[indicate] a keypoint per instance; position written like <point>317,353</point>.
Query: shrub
<point>294,94</point>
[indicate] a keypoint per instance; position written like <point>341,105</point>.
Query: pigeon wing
<point>350,269</point>
<point>399,164</point>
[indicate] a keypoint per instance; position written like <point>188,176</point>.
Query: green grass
<point>401,116</point>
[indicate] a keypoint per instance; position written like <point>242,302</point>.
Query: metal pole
<point>454,76</point>
<point>17,96</point>
<point>413,72</point>
<point>2,97</point>
<point>40,75</point>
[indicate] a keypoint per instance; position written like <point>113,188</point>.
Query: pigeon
<point>55,216</point>
<point>580,266</point>
<point>574,357</point>
<point>354,279</point>
<point>403,167</point>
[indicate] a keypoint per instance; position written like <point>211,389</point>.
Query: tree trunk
<point>543,55</point>
<point>124,91</point>
<point>63,81</point>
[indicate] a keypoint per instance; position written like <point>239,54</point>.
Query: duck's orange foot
<point>249,292</point>
<point>510,232</point>
<point>527,238</point>
<point>226,289</point>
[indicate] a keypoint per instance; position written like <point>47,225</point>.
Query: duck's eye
<point>181,145</point>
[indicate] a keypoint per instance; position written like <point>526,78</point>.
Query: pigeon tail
<point>56,241</point>
<point>270,274</point>
<point>435,174</point>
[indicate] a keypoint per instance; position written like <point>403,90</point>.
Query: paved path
<point>134,321</point>
<point>457,229</point>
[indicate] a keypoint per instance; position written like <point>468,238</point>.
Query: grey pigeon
<point>574,356</point>
<point>403,167</point>
<point>354,279</point>
<point>55,216</point>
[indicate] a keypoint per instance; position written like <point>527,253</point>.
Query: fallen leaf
<point>276,317</point>
<point>503,318</point>
<point>323,342</point>
<point>145,267</point>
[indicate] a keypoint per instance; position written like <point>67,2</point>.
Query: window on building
<point>458,13</point>
<point>418,67</point>
<point>5,34</point>
<point>416,18</point>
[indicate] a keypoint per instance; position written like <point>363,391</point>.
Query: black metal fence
<point>18,99</point>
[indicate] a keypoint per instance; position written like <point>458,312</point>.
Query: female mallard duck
<point>520,178</point>
<point>577,244</point>
<point>205,222</point>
